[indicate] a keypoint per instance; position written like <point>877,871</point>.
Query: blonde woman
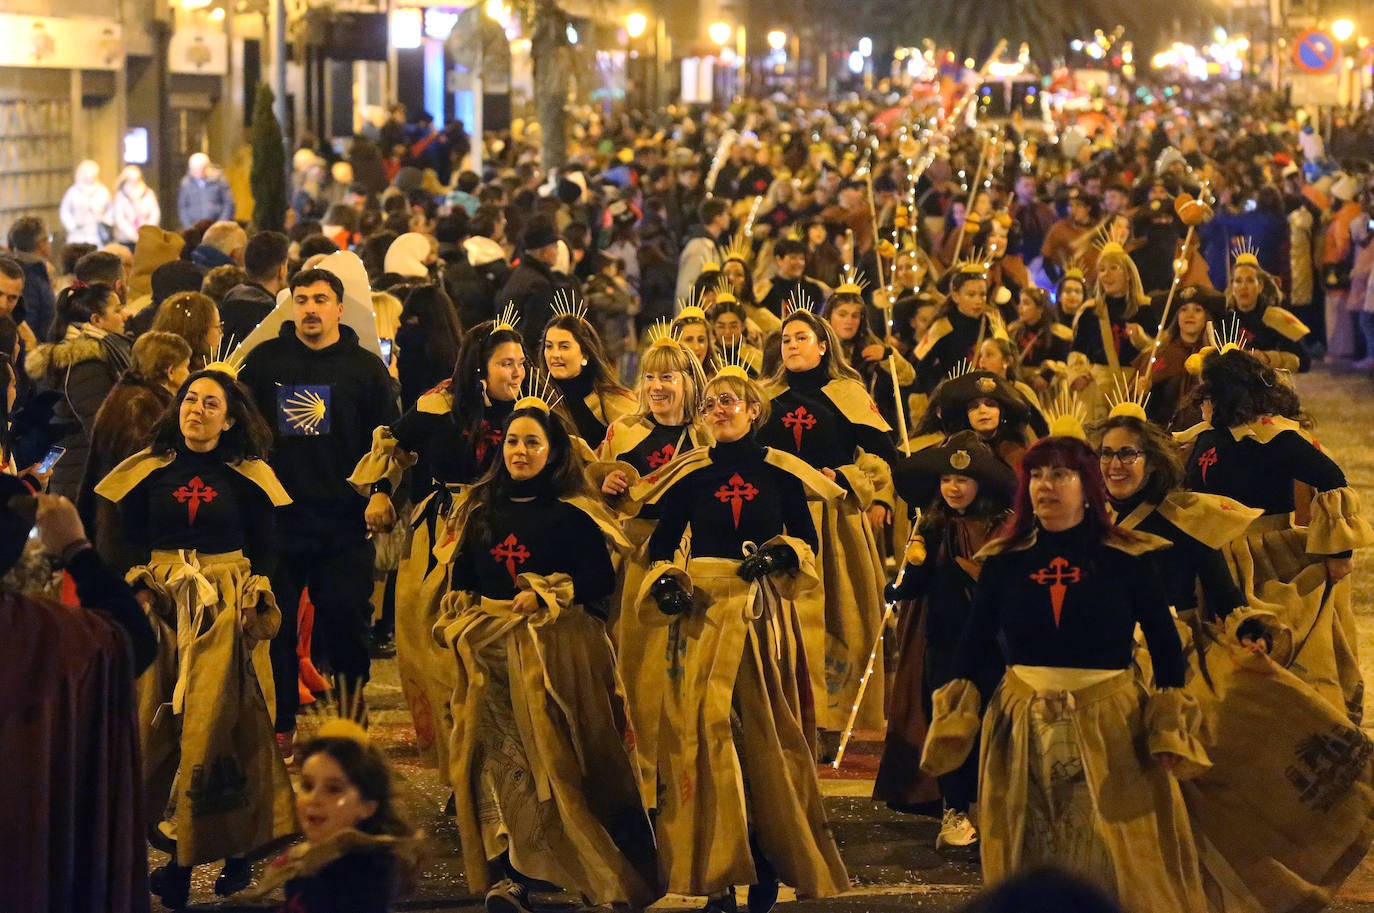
<point>1109,330</point>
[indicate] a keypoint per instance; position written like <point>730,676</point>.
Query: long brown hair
<point>190,315</point>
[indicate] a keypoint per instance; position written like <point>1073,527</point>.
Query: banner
<point>61,44</point>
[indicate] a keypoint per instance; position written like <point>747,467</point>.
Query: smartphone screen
<point>50,459</point>
<point>386,352</point>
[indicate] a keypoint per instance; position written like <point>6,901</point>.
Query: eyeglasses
<point>726,401</point>
<point>1126,455</point>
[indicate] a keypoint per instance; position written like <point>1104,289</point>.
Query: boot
<point>171,884</point>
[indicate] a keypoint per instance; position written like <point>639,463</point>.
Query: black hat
<point>1211,300</point>
<point>176,276</point>
<point>917,477</point>
<point>955,394</point>
<point>539,233</point>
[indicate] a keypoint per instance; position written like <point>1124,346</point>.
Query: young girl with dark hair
<point>545,785</point>
<point>196,512</point>
<point>1078,760</point>
<point>451,436</point>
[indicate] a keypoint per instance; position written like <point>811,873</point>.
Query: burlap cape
<point>734,754</point>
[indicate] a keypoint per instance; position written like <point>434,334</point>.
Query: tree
<point>268,175</point>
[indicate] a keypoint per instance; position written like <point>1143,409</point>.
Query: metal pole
<point>279,66</point>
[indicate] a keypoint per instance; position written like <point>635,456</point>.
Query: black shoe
<point>383,647</point>
<point>171,884</point>
<point>762,896</point>
<point>507,896</point>
<point>451,806</point>
<point>158,840</point>
<point>236,875</point>
<point>723,903</point>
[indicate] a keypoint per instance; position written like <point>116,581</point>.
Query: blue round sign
<point>1315,52</point>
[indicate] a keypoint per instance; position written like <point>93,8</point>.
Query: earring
<point>584,362</point>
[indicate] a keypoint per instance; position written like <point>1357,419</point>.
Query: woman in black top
<point>739,802</point>
<point>1078,761</point>
<point>1253,448</point>
<point>450,436</point>
<point>540,718</point>
<point>196,512</point>
<point>591,393</point>
<point>1272,333</point>
<point>821,412</point>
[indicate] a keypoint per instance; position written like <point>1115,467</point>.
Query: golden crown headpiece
<point>565,304</point>
<point>508,319</point>
<point>731,362</point>
<point>1128,398</point>
<point>800,301</point>
<point>332,723</point>
<point>975,265</point>
<point>1066,414</point>
<point>538,391</point>
<point>1229,338</point>
<point>1245,252</point>
<point>688,309</point>
<point>725,291</point>
<point>226,360</point>
<point>961,367</point>
<point>660,334</point>
<point>852,281</point>
<point>1107,248</point>
<point>710,266</point>
<point>741,248</point>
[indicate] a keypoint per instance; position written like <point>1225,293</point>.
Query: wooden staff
<point>1180,267</point>
<point>983,161</point>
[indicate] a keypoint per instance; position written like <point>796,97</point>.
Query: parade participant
<point>358,854</point>
<point>195,318</point>
<point>1078,762</point>
<point>998,356</point>
<point>821,413</point>
<point>730,328</point>
<point>1253,448</point>
<point>1272,333</point>
<point>1040,339</point>
<point>575,361</point>
<point>1070,294</point>
<point>198,510</point>
<point>870,356</point>
<point>737,271</point>
<point>1253,806</point>
<point>667,426</point>
<point>738,798</point>
<point>965,493</point>
<point>326,394</point>
<point>691,328</point>
<point>962,325</point>
<point>705,289</point>
<point>987,404</point>
<point>790,283</point>
<point>1162,369</point>
<point>451,436</point>
<point>1108,330</point>
<point>545,783</point>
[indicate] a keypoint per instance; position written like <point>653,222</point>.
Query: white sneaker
<point>956,830</point>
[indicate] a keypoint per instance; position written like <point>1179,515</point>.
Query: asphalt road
<point>891,857</point>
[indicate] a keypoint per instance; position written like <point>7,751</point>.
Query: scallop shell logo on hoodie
<point>303,409</point>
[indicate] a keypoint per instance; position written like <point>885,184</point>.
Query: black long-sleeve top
<point>1186,563</point>
<point>198,502</point>
<point>532,532</point>
<point>959,343</point>
<point>1071,601</point>
<point>575,391</point>
<point>357,882</point>
<point>1261,337</point>
<point>662,443</point>
<point>803,421</point>
<point>447,452</point>
<point>1087,335</point>
<point>739,498</point>
<point>1259,475</point>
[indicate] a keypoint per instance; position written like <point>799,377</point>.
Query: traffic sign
<point>1315,51</point>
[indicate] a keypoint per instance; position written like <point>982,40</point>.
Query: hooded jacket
<point>530,288</point>
<point>322,406</point>
<point>243,308</point>
<point>472,281</point>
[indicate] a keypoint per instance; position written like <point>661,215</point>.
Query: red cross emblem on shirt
<point>487,437</point>
<point>800,421</point>
<point>736,493</point>
<point>512,553</point>
<point>1207,461</point>
<point>1118,336</point>
<point>193,494</point>
<point>1057,577</point>
<point>661,456</point>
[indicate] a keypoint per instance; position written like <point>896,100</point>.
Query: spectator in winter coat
<point>31,248</point>
<point>223,243</point>
<point>532,283</point>
<point>203,194</point>
<point>135,205</point>
<point>85,206</point>
<point>704,247</point>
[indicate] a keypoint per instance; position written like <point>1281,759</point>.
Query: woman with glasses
<point>821,412</point>
<point>1247,805</point>
<point>451,436</point>
<point>1254,446</point>
<point>739,800</point>
<point>542,763</point>
<point>1079,762</point>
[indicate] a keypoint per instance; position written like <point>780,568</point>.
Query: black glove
<point>771,559</point>
<point>672,599</point>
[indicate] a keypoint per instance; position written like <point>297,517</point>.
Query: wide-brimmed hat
<point>917,477</point>
<point>955,394</point>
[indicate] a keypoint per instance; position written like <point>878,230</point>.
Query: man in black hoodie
<point>531,284</point>
<point>246,305</point>
<point>322,393</point>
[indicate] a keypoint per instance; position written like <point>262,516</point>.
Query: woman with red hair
<point>1079,762</point>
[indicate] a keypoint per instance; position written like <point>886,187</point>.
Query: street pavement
<point>891,857</point>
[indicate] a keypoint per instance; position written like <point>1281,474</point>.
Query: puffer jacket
<point>82,368</point>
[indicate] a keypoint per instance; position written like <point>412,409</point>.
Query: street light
<point>866,47</point>
<point>720,33</point>
<point>635,24</point>
<point>777,39</point>
<point>1342,29</point>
